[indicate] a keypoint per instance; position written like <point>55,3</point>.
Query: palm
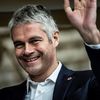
<point>76,18</point>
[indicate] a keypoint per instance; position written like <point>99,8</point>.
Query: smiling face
<point>34,51</point>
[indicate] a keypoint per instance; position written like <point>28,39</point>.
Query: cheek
<point>41,48</point>
<point>49,52</point>
<point>18,52</point>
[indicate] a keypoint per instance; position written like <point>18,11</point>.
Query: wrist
<point>95,33</point>
<point>90,35</point>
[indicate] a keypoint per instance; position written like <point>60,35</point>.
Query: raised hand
<point>83,18</point>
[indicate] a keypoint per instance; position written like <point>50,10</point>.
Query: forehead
<point>27,30</point>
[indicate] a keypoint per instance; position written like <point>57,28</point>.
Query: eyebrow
<point>35,37</point>
<point>32,38</point>
<point>16,42</point>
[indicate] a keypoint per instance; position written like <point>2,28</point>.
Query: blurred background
<point>71,50</point>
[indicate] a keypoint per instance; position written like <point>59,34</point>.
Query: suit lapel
<point>63,83</point>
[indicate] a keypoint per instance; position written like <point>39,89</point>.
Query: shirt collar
<point>52,77</point>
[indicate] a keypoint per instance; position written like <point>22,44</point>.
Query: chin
<point>33,71</point>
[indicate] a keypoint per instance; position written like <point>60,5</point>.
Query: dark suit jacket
<point>70,85</point>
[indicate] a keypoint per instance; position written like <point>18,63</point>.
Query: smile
<point>31,59</point>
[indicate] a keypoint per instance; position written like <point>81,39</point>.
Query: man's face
<point>35,53</point>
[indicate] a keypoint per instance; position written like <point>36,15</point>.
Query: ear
<point>56,39</point>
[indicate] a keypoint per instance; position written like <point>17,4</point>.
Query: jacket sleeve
<point>94,56</point>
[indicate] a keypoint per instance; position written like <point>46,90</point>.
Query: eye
<point>35,40</point>
<point>18,45</point>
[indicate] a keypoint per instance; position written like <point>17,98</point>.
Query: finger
<point>91,11</point>
<point>66,3</point>
<point>67,7</point>
<point>77,4</point>
<point>83,3</point>
<point>83,7</point>
<point>91,3</point>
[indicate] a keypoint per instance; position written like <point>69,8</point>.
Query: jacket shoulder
<point>15,91</point>
<point>14,87</point>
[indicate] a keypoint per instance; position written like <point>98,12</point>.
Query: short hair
<point>34,13</point>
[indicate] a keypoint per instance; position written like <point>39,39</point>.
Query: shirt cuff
<point>96,46</point>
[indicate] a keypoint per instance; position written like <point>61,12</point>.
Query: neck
<point>43,76</point>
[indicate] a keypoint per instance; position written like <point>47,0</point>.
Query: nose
<point>28,49</point>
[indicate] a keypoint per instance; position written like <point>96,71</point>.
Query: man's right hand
<point>83,18</point>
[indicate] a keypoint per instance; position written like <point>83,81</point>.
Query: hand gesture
<point>83,18</point>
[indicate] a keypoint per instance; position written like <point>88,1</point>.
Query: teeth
<point>32,59</point>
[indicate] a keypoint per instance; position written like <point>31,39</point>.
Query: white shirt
<point>97,46</point>
<point>42,90</point>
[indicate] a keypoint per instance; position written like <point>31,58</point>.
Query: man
<point>36,36</point>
